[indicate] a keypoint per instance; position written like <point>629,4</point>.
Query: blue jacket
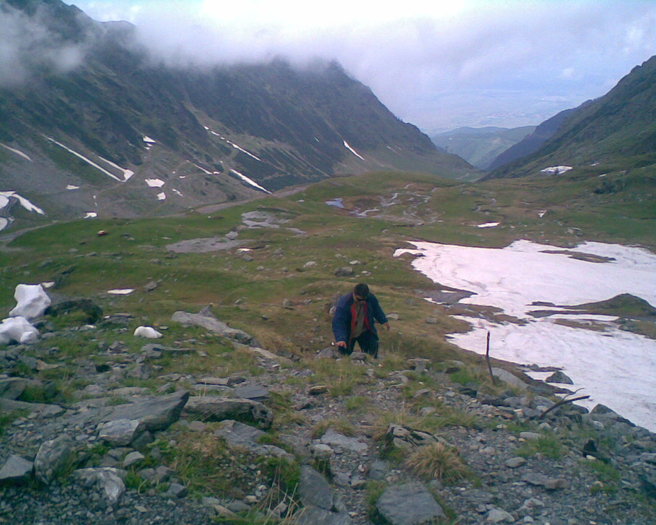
<point>342,317</point>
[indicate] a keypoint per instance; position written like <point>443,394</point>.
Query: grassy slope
<point>249,294</point>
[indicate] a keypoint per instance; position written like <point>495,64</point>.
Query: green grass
<point>548,445</point>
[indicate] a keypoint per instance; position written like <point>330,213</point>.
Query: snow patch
<point>177,192</point>
<point>161,196</point>
<point>126,173</point>
<point>90,215</point>
<point>31,299</point>
<point>556,170</point>
<point>17,329</point>
<point>236,146</point>
<point>148,140</point>
<point>249,181</point>
<point>72,187</point>
<point>616,368</point>
<point>17,152</point>
<point>147,331</point>
<point>488,225</point>
<point>3,223</point>
<point>154,183</point>
<point>346,145</point>
<point>121,291</point>
<point>4,200</point>
<point>85,159</point>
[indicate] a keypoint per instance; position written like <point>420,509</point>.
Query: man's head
<point>360,292</point>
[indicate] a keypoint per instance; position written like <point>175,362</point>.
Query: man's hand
<point>387,326</point>
<point>341,344</point>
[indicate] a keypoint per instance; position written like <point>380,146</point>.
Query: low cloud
<point>28,48</point>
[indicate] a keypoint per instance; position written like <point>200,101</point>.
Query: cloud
<point>414,53</point>
<point>27,48</point>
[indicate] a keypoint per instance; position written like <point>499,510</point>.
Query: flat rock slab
<point>334,439</point>
<point>409,504</point>
<point>314,490</point>
<point>240,435</point>
<point>204,245</point>
<point>212,324</point>
<point>42,409</point>
<point>221,408</point>
<point>252,391</point>
<point>16,470</point>
<point>156,413</point>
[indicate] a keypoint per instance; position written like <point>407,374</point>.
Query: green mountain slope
<point>480,146</point>
<point>616,131</point>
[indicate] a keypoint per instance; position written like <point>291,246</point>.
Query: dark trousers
<point>368,342</point>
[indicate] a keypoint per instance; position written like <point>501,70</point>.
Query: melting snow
<point>72,187</point>
<point>88,161</point>
<point>17,152</point>
<point>31,300</point>
<point>488,225</point>
<point>249,181</point>
<point>4,200</point>
<point>126,173</point>
<point>236,146</point>
<point>346,145</point>
<point>3,223</point>
<point>614,367</point>
<point>177,192</point>
<point>203,170</point>
<point>556,170</point>
<point>121,291</point>
<point>161,196</point>
<point>148,140</point>
<point>154,183</point>
<point>91,215</point>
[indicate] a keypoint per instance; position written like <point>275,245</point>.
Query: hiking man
<point>355,315</point>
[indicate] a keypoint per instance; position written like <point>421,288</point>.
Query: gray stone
<point>156,413</point>
<point>12,387</point>
<point>509,378</point>
<point>499,516</point>
<point>419,364</point>
<point>556,483</point>
<point>345,271</point>
<point>315,516</point>
<point>133,458</point>
<point>221,408</point>
<point>515,462</point>
<point>536,479</point>
<point>314,490</point>
<point>209,322</point>
<point>252,391</point>
<point>41,409</point>
<point>559,377</point>
<point>334,439</point>
<point>379,469</point>
<point>240,435</point>
<point>409,504</point>
<point>120,432</point>
<point>53,458</point>
<point>529,435</point>
<point>16,470</point>
<point>176,491</point>
<point>108,480</point>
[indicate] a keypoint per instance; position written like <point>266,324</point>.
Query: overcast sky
<point>438,64</point>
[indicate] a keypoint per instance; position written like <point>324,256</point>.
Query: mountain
<point>532,142</point>
<point>616,131</point>
<point>92,123</point>
<point>480,146</point>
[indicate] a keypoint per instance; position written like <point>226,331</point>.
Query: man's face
<point>358,298</point>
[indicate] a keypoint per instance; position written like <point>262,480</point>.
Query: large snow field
<point>616,368</point>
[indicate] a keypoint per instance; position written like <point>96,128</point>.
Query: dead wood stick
<point>560,403</point>
<point>487,358</point>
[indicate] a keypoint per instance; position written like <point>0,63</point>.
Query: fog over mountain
<point>439,65</point>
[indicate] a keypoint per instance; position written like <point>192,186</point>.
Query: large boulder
<point>16,470</point>
<point>109,481</point>
<point>408,504</point>
<point>155,413</point>
<point>206,320</point>
<point>120,432</point>
<point>54,458</point>
<point>239,434</point>
<point>220,408</point>
<point>12,387</point>
<point>314,490</point>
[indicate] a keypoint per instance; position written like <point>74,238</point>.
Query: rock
<point>12,387</point>
<point>419,364</point>
<point>211,323</point>
<point>509,378</point>
<point>156,413</point>
<point>529,435</point>
<point>345,271</point>
<point>252,391</point>
<point>148,332</point>
<point>321,451</point>
<point>317,390</point>
<point>176,491</point>
<point>556,484</point>
<point>132,459</point>
<point>16,470</point>
<point>221,408</point>
<point>53,458</point>
<point>120,432</point>
<point>335,439</point>
<point>31,299</point>
<point>315,516</point>
<point>379,469</point>
<point>408,504</point>
<point>559,377</point>
<point>358,356</point>
<point>328,353</point>
<point>314,490</point>
<point>108,480</point>
<point>535,479</point>
<point>240,435</point>
<point>41,409</point>
<point>150,286</point>
<point>515,462</point>
<point>92,313</point>
<point>499,516</point>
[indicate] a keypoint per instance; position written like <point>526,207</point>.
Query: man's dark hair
<point>361,290</point>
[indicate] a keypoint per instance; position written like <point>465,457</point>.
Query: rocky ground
<point>317,440</point>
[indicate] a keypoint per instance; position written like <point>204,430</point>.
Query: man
<point>354,320</point>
